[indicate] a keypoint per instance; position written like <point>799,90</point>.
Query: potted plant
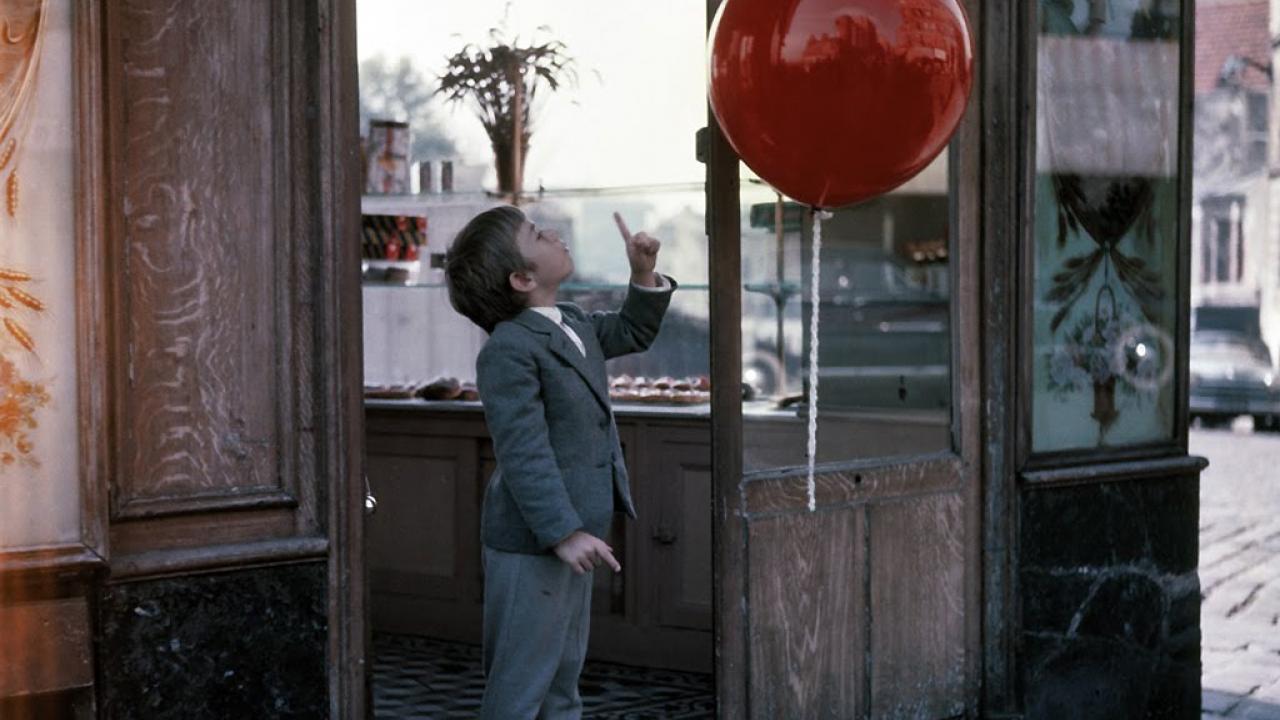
<point>502,82</point>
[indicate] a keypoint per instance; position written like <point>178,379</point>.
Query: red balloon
<point>836,101</point>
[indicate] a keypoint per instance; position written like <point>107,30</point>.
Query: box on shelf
<point>393,237</point>
<point>387,155</point>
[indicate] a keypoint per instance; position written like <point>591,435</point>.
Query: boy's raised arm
<point>508,382</point>
<point>635,327</point>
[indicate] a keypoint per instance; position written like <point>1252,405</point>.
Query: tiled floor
<point>421,678</point>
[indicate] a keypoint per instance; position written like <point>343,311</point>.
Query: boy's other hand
<point>583,551</point>
<point>642,253</point>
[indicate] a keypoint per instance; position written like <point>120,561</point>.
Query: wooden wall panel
<point>807,620</point>
<point>675,512</point>
<point>203,258</point>
<point>425,538</point>
<point>418,534</point>
<point>918,608</point>
<point>695,565</point>
<point>45,647</point>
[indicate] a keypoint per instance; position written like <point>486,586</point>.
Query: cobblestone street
<point>1240,572</point>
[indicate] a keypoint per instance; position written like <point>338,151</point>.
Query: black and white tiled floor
<point>418,677</point>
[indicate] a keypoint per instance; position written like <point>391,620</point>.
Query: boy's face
<point>544,252</point>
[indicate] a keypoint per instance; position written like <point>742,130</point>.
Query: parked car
<point>886,338</point>
<point>1232,375</point>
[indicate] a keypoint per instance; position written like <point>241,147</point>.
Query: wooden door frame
<point>349,638</point>
<point>972,381</point>
<point>1001,74</point>
<point>728,526</point>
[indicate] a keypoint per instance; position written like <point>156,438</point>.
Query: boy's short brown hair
<point>479,263</point>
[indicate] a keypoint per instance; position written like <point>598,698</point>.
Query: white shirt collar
<point>552,313</point>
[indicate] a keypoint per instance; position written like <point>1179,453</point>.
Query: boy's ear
<point>522,281</point>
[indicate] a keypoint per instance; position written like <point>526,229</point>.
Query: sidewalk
<point>1240,577</point>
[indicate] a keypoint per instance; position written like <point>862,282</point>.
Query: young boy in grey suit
<point>560,472</point>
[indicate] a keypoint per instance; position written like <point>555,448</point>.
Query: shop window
<point>1104,242</point>
<point>884,337</point>
<point>606,140</point>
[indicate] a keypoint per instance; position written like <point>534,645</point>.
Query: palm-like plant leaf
<point>488,77</point>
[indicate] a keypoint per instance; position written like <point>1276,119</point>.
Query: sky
<point>641,91</point>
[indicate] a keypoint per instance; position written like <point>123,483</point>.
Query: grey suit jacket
<point>560,466</point>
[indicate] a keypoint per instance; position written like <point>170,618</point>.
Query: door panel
<point>808,645</point>
<point>869,605</point>
<point>917,607</point>
<point>417,542</point>
<point>681,532</point>
<point>232,378</point>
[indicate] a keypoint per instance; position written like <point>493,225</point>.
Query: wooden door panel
<point>917,607</point>
<point>695,529</point>
<point>230,375</point>
<point>205,258</point>
<point>679,532</point>
<point>221,269</point>
<point>415,531</point>
<point>422,539</point>
<point>807,624</point>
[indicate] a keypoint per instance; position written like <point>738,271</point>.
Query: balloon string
<point>815,277</point>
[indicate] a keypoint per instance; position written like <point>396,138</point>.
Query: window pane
<point>1106,211</point>
<point>603,141</point>
<point>884,339</point>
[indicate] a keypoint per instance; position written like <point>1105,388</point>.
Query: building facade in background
<point>1235,230</point>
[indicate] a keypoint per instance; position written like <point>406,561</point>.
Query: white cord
<point>814,302</point>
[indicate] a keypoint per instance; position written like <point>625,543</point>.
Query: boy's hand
<point>642,253</point>
<point>582,552</point>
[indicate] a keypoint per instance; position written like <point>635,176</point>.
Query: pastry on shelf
<point>691,397</point>
<point>390,392</point>
<point>469,392</point>
<point>666,382</point>
<point>621,381</point>
<point>445,388</point>
<point>649,395</point>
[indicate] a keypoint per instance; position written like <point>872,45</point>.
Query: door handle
<point>370,502</point>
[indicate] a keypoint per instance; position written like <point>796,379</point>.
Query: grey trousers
<point>537,614</point>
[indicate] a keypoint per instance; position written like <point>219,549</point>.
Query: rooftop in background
<point>1227,28</point>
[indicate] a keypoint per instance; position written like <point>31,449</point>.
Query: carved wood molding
<point>210,558</point>
<point>251,499</point>
<point>91,305</point>
<point>874,481</point>
<point>30,571</point>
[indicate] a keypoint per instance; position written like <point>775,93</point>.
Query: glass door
<point>867,605</point>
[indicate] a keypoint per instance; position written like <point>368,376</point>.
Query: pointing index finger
<point>622,226</point>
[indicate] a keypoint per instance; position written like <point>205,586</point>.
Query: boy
<point>560,473</point>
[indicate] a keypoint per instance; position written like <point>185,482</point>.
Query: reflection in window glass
<point>884,339</point>
<point>1106,209</point>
